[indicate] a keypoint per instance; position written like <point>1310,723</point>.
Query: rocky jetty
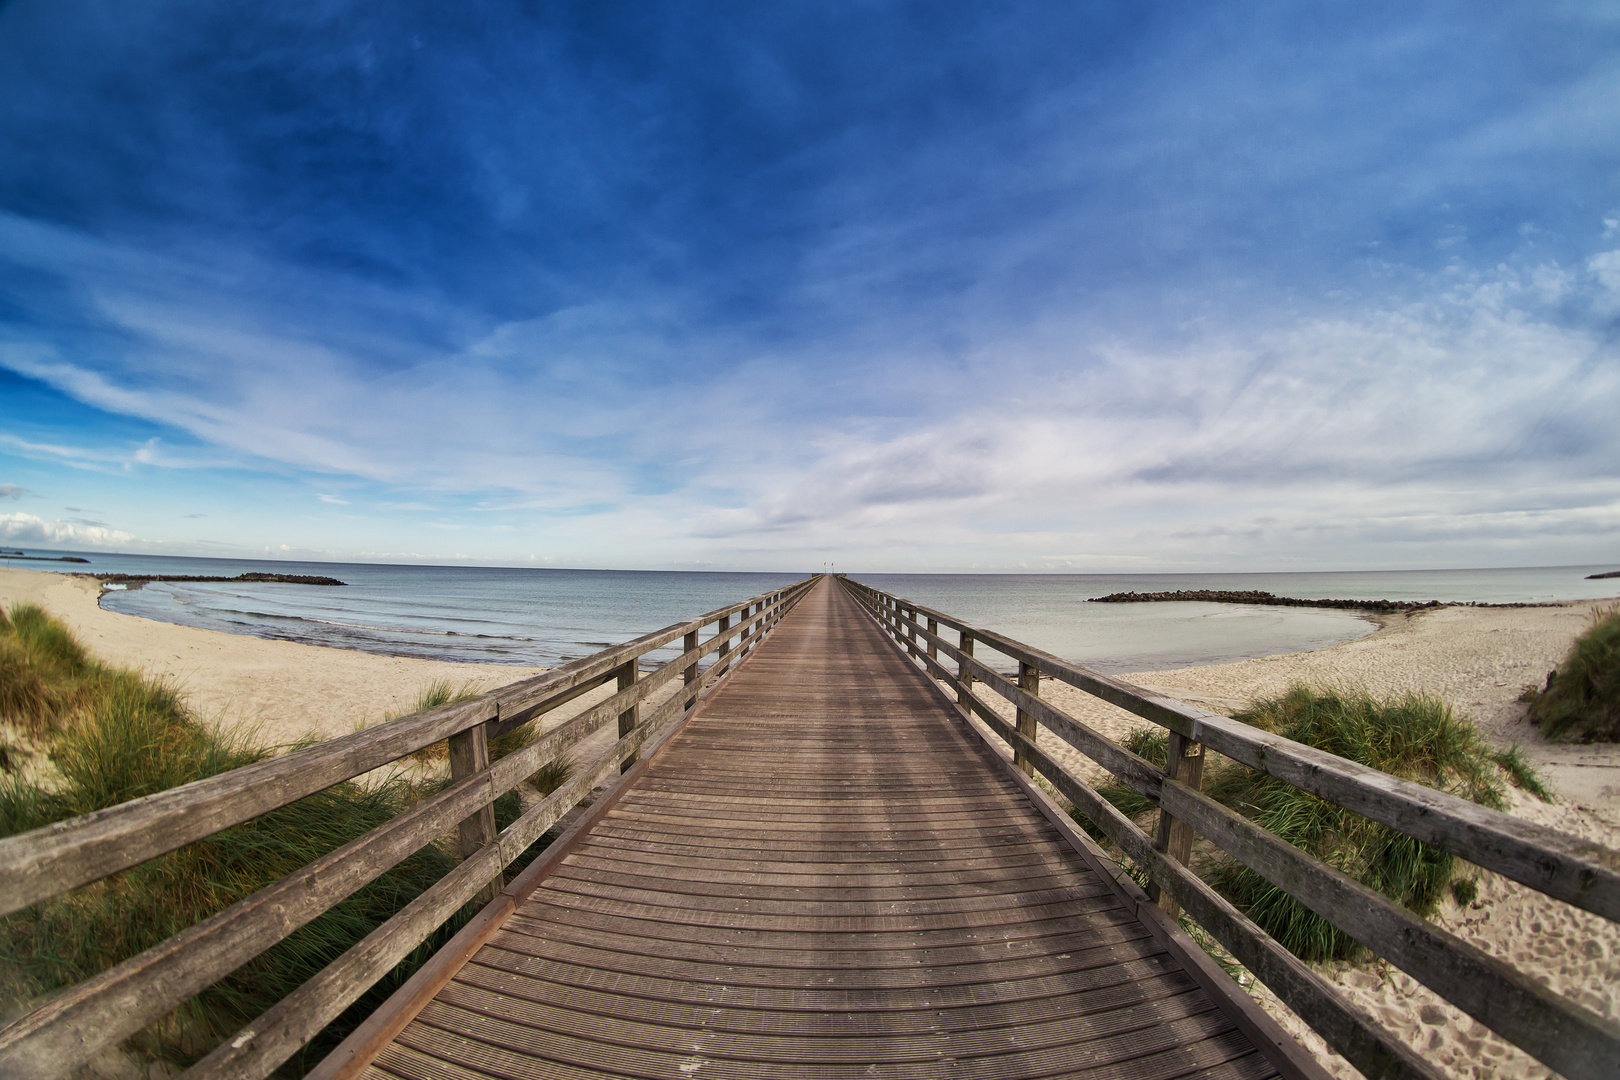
<point>281,579</point>
<point>1255,596</point>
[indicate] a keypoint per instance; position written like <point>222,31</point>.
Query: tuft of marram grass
<point>1582,700</point>
<point>48,642</point>
<point>42,670</point>
<point>444,692</point>
<point>27,698</point>
<point>1521,773</point>
<point>431,696</point>
<point>1414,737</point>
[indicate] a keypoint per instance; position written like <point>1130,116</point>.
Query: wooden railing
<point>1561,1033</point>
<point>67,1029</point>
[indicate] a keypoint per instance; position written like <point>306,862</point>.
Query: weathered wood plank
<point>469,757</point>
<point>1184,761</point>
<point>1029,681</point>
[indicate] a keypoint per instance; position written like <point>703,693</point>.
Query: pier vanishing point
<point>831,840</point>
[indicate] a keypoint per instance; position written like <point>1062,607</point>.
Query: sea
<point>543,616</point>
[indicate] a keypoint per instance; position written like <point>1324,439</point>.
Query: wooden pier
<point>825,873</point>
<point>819,848</point>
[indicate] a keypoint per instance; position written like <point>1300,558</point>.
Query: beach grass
<point>1581,702</point>
<point>42,670</point>
<point>111,735</point>
<point>1520,772</point>
<point>444,692</point>
<point>1414,737</point>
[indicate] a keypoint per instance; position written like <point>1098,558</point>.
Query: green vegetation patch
<point>1415,737</point>
<point>1581,702</point>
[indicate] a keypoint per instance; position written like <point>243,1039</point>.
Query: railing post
<point>933,647</point>
<point>910,631</point>
<point>627,719</point>
<point>720,663</point>
<point>964,674</point>
<point>1184,761</point>
<point>1029,681</point>
<point>690,674</point>
<point>469,755</point>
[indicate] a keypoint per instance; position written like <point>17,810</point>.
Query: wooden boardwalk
<point>827,873</point>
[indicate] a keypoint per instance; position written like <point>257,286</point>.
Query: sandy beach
<point>1477,659</point>
<point>283,690</point>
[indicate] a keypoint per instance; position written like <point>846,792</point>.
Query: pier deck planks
<point>823,875</point>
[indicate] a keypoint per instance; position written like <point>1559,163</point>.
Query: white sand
<point>1478,659</point>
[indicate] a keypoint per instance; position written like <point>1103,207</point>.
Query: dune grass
<point>43,670</point>
<point>1414,737</point>
<point>444,692</point>
<point>1581,702</point>
<point>111,735</point>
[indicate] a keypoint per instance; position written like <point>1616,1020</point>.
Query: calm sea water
<point>544,616</point>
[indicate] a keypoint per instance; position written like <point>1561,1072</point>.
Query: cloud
<point>333,499</point>
<point>29,529</point>
<point>13,492</point>
<point>1421,420</point>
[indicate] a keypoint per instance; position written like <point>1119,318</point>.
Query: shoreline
<point>282,691</point>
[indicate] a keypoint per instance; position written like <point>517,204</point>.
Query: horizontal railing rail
<point>1561,1033</point>
<point>64,1031</point>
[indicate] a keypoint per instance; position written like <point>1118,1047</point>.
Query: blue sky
<point>1035,286</point>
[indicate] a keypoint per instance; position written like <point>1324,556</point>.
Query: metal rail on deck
<point>1561,1033</point>
<point>64,1031</point>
